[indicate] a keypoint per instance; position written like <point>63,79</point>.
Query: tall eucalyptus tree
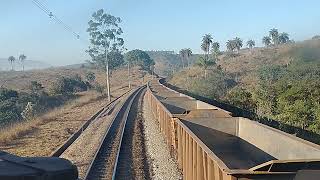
<point>104,32</point>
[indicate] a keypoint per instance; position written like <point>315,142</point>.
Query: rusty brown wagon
<point>210,144</point>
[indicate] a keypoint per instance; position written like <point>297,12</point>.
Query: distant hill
<point>245,65</point>
<point>28,65</point>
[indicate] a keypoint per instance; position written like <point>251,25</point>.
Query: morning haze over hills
<point>64,60</point>
<point>29,65</point>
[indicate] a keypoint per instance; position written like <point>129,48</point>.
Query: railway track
<point>106,110</point>
<point>113,150</point>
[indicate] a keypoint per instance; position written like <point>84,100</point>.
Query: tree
<point>238,43</point>
<point>182,54</point>
<point>230,45</point>
<point>22,58</point>
<point>284,38</point>
<point>115,59</point>
<point>240,97</point>
<point>215,50</point>
<point>316,37</point>
<point>205,46</point>
<point>274,34</point>
<point>188,53</point>
<point>266,41</point>
<point>251,44</point>
<point>90,77</point>
<point>185,54</point>
<point>36,87</point>
<point>11,59</point>
<point>140,58</point>
<point>105,37</point>
<point>205,64</point>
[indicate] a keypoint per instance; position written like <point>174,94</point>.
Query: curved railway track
<point>113,150</point>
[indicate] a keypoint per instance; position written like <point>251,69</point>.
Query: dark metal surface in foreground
<point>39,168</point>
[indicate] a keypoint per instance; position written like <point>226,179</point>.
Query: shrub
<point>66,85</point>
<point>8,111</point>
<point>90,77</point>
<point>99,88</point>
<point>7,94</point>
<point>241,98</point>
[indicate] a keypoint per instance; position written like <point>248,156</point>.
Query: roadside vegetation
<point>21,106</point>
<point>279,81</point>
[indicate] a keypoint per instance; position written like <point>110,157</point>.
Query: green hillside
<point>280,82</point>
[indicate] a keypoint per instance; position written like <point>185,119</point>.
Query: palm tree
<point>274,34</point>
<point>215,49</point>
<point>205,46</point>
<point>230,45</point>
<point>266,41</point>
<point>182,54</point>
<point>11,59</point>
<point>284,38</point>
<point>188,54</point>
<point>205,64</point>
<point>22,58</point>
<point>251,43</point>
<point>238,43</point>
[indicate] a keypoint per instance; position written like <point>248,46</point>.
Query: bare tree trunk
<point>182,60</point>
<point>205,73</point>
<point>107,73</point>
<point>129,79</point>
<point>188,60</point>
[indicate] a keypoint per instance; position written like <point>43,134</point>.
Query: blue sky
<point>149,24</point>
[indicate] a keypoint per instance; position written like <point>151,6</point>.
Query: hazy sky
<point>149,24</point>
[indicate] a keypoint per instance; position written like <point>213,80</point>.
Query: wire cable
<point>46,10</point>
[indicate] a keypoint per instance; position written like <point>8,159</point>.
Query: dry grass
<point>20,81</point>
<point>245,65</point>
<point>41,136</point>
<point>16,130</point>
<point>20,129</point>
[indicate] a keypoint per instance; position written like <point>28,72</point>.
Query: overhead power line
<point>46,10</point>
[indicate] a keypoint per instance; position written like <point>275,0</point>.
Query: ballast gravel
<point>164,167</point>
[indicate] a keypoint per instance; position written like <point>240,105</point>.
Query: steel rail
<point>61,149</point>
<point>123,115</point>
